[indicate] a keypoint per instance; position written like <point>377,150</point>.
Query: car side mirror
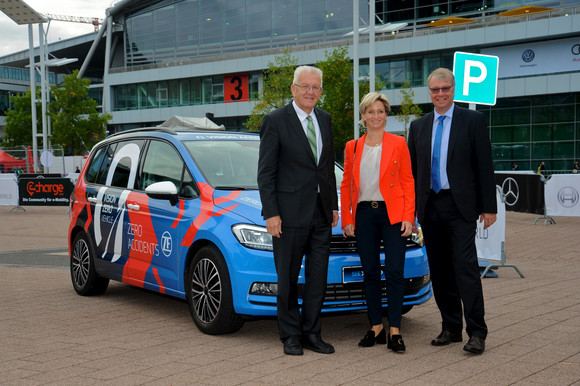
<point>164,190</point>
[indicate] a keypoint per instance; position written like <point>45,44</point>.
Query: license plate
<point>356,274</point>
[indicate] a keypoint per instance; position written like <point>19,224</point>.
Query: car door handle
<point>133,206</point>
<point>92,199</point>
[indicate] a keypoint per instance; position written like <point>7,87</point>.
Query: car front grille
<point>339,244</point>
<point>354,292</point>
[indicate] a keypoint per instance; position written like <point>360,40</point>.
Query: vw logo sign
<point>528,56</point>
<point>166,243</point>
<point>568,196</point>
<point>511,190</point>
<point>575,49</point>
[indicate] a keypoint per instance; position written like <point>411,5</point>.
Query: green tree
<point>337,98</point>
<point>408,107</point>
<point>18,129</point>
<point>276,90</point>
<point>76,123</point>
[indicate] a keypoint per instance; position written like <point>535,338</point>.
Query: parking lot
<point>129,336</point>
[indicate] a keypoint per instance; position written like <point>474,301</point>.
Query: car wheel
<point>85,279</point>
<point>209,293</point>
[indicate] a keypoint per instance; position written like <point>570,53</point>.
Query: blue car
<point>178,212</point>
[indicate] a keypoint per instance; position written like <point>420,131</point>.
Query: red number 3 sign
<point>236,88</point>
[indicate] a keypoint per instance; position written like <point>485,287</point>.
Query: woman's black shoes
<point>396,344</point>
<point>369,339</point>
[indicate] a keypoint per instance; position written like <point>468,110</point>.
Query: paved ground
<point>50,335</point>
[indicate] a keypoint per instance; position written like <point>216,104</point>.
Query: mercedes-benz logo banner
<point>523,192</point>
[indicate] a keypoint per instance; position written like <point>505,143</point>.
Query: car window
<point>188,187</point>
<point>95,164</point>
<point>120,163</point>
<point>162,163</point>
<point>338,176</point>
<point>103,168</point>
<point>227,164</point>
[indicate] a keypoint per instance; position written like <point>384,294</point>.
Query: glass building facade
<point>169,30</point>
<point>529,130</point>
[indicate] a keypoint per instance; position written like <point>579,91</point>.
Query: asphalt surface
<point>51,336</point>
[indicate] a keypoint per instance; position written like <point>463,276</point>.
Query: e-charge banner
<point>44,191</point>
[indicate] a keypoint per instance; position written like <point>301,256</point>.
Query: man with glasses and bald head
<point>300,204</point>
<point>455,186</point>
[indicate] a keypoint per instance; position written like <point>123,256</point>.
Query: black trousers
<point>372,227</point>
<point>289,250</point>
<point>452,254</point>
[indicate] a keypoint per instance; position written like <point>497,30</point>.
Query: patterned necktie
<point>435,164</point>
<point>312,137</point>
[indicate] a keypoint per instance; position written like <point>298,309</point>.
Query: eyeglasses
<point>444,90</point>
<point>305,88</point>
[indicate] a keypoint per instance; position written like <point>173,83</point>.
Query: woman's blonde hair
<point>369,100</point>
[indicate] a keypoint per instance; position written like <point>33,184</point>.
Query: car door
<point>154,251</point>
<point>108,197</point>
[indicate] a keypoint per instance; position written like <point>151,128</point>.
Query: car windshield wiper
<point>225,187</point>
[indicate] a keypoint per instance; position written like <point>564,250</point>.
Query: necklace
<point>372,143</point>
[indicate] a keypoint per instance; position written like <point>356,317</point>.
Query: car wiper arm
<point>225,187</point>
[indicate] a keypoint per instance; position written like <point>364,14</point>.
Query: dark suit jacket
<point>288,176</point>
<point>469,163</point>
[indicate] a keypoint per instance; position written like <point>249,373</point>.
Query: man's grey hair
<point>313,70</point>
<point>441,74</point>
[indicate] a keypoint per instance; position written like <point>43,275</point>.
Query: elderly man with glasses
<point>300,204</point>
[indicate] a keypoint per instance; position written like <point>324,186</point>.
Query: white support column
<point>107,105</point>
<point>356,71</point>
<point>33,98</point>
<point>372,46</point>
<point>43,79</point>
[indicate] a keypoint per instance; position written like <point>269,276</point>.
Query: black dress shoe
<point>292,346</point>
<point>475,345</point>
<point>396,344</point>
<point>447,337</point>
<point>315,343</point>
<point>370,339</point>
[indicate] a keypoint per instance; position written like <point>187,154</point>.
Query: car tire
<point>209,293</point>
<point>85,279</point>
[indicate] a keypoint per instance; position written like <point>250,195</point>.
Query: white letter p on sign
<point>467,79</point>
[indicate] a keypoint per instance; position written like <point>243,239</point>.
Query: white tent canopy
<point>176,122</point>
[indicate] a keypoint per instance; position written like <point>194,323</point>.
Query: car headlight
<point>417,237</point>
<point>252,236</point>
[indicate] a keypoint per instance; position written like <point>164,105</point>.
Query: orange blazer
<point>396,180</point>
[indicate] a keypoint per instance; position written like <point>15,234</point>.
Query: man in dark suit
<point>454,183</point>
<point>300,204</point>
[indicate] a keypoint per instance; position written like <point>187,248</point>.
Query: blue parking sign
<point>475,78</point>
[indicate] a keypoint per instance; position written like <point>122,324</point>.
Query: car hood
<point>247,204</point>
<point>244,203</point>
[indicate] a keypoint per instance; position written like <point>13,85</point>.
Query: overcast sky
<point>14,37</point>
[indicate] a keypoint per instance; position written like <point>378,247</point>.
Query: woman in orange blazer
<point>377,197</point>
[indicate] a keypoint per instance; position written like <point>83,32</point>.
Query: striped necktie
<point>312,137</point>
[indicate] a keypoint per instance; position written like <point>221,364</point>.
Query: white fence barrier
<point>490,242</point>
<point>562,195</point>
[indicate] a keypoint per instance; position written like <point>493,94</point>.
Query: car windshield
<point>228,165</point>
<point>232,165</point>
